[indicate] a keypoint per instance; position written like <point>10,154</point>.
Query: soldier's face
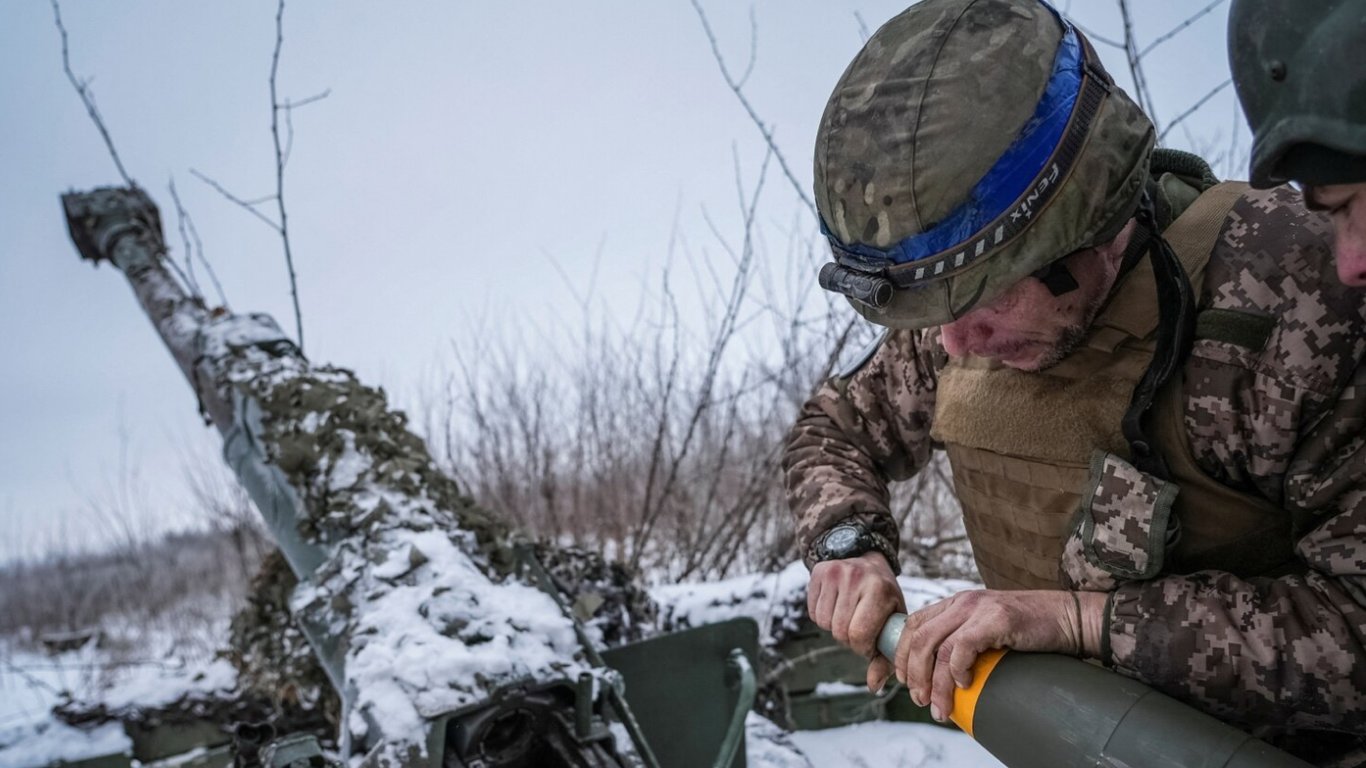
<point>1029,328</point>
<point>1346,205</point>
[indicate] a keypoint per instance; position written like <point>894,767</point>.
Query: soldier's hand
<point>942,641</point>
<point>852,599</point>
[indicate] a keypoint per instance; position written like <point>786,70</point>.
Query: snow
<point>141,664</point>
<point>767,598</point>
<point>52,741</point>
<point>838,689</point>
<point>440,619</point>
<point>348,468</point>
<point>153,686</point>
<point>776,601</point>
<point>768,746</point>
<point>867,745</point>
<point>501,632</point>
<point>222,335</point>
<point>428,630</point>
<point>891,745</point>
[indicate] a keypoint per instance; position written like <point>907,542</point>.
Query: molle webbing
<point>1020,443</point>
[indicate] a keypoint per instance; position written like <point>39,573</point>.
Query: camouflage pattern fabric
<point>858,433</point>
<point>1122,529</point>
<point>1286,421</point>
<point>889,162</point>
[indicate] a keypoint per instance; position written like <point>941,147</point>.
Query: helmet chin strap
<point>1175,332</point>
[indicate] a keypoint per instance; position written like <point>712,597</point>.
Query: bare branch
<point>309,100</point>
<point>1140,80</point>
<point>185,241</point>
<point>863,32</point>
<point>764,130</point>
<point>246,206</point>
<point>579,298</point>
<point>705,400</point>
<point>275,108</point>
<point>289,107</point>
<point>88,97</point>
<point>186,225</point>
<point>1193,109</point>
<point>1174,31</point>
<point>1091,35</point>
<point>753,47</point>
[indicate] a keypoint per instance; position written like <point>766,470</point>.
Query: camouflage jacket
<point>1286,422</point>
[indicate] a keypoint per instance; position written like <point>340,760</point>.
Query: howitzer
<point>1043,710</point>
<point>442,634</point>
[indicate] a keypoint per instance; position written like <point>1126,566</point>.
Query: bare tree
<point>282,148</point>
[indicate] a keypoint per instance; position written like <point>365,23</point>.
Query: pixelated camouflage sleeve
<point>857,433</point>
<point>1287,419</point>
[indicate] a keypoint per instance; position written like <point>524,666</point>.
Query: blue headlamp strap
<point>1017,187</point>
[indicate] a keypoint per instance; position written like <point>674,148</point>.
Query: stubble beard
<point>1071,337</point>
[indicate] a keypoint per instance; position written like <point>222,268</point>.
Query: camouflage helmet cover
<point>1300,70</point>
<point>931,105</point>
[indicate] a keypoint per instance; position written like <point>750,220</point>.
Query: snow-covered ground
<point>163,667</point>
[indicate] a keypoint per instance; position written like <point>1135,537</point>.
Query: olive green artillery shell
<point>921,114</point>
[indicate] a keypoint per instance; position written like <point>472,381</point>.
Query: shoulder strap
<point>1178,258</point>
<point>1193,234</point>
<point>1134,312</point>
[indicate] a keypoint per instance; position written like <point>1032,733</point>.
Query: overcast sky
<point>464,150</point>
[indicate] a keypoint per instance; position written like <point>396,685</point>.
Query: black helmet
<point>1300,71</point>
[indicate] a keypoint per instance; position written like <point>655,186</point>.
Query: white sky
<point>464,145</point>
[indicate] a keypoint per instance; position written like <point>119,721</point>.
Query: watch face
<point>841,540</point>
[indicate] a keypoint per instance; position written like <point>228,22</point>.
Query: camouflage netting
<point>318,424</point>
<point>605,595</point>
<point>410,593</point>
<point>275,664</point>
<point>315,422</point>
<point>225,710</point>
<point>278,669</point>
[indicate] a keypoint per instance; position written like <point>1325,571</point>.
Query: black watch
<point>848,540</point>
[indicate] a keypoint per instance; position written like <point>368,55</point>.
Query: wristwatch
<point>851,539</point>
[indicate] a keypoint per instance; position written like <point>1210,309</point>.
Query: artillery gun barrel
<point>1043,710</point>
<point>405,588</point>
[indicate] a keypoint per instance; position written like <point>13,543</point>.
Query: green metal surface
<point>217,757</point>
<point>677,686</point>
<point>158,742</point>
<point>297,750</point>
<point>119,760</point>
<point>814,713</point>
<point>811,657</point>
<point>742,671</point>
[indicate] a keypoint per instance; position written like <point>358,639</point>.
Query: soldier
<point>1149,385</point>
<point>1300,70</point>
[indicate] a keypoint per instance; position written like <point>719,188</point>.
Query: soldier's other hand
<point>942,641</point>
<point>852,598</point>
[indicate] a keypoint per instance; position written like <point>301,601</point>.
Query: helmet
<point>970,144</point>
<point>1300,70</point>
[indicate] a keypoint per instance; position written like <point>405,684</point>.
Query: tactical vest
<point>1025,447</point>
